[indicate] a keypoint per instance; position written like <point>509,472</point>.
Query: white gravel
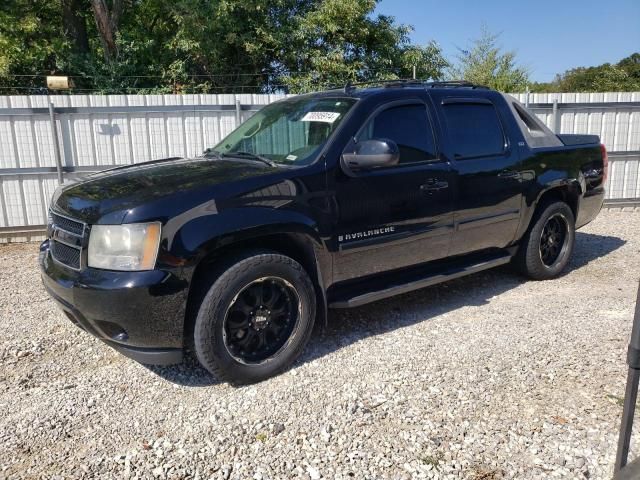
<point>485,377</point>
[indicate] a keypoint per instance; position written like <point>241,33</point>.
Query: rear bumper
<point>140,314</point>
<point>589,207</point>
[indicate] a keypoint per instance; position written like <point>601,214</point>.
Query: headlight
<point>124,247</point>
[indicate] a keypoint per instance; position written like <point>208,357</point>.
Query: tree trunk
<point>107,22</point>
<point>74,26</point>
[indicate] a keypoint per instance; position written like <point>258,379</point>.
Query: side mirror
<point>368,154</point>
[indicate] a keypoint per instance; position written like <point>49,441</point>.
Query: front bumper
<point>140,314</point>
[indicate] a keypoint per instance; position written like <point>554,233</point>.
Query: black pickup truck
<point>327,200</point>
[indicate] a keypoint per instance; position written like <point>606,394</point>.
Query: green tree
<point>484,62</point>
<point>340,41</point>
<point>28,40</point>
<point>623,76</point>
<point>205,45</point>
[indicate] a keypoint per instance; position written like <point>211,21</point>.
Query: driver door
<point>398,216</point>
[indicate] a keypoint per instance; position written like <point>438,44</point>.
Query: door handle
<point>433,185</point>
<point>509,174</point>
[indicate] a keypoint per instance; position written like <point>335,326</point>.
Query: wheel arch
<point>567,192</point>
<point>304,247</point>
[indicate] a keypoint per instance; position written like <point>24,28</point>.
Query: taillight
<point>605,162</point>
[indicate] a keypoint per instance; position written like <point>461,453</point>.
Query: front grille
<point>65,254</point>
<point>68,225</point>
<point>67,240</point>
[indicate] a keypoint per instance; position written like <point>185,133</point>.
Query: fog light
<point>113,331</point>
<point>121,337</point>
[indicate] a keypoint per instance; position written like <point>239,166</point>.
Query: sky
<point>549,36</point>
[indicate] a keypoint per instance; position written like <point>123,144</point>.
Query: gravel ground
<point>484,377</point>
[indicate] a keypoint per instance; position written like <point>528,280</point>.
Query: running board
<point>417,282</point>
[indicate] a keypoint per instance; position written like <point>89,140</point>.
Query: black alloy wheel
<point>553,240</point>
<point>546,248</point>
<point>255,317</point>
<point>260,319</point>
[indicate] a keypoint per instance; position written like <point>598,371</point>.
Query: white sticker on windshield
<point>327,117</point>
<point>291,158</point>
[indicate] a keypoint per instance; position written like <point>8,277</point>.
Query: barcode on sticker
<point>328,117</point>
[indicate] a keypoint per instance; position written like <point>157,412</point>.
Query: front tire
<point>256,318</point>
<point>547,246</point>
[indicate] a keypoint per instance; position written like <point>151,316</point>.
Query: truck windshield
<point>291,131</point>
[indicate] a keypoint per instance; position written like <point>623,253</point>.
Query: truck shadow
<point>351,325</point>
<point>188,374</point>
<point>348,326</point>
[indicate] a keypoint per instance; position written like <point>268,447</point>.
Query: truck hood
<point>107,196</point>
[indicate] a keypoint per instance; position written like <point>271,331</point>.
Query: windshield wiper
<point>210,152</point>
<point>251,156</point>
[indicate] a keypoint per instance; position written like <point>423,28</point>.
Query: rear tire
<point>256,318</point>
<point>547,246</point>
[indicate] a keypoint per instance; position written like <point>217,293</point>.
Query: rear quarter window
<point>474,129</point>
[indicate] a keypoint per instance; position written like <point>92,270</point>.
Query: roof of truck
<point>536,133</point>
<point>378,86</point>
<point>382,87</point>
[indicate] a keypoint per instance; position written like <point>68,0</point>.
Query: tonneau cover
<point>576,139</point>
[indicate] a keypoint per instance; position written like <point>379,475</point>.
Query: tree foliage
<point>623,76</point>
<point>27,39</point>
<point>205,45</point>
<point>218,46</point>
<point>485,63</point>
<point>339,41</point>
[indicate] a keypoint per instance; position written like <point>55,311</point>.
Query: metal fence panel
<point>100,131</point>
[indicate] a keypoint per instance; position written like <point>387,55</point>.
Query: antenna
<point>349,88</point>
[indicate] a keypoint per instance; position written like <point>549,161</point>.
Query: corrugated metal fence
<point>94,132</point>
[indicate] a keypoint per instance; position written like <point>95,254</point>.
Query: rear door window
<point>474,129</point>
<point>409,127</point>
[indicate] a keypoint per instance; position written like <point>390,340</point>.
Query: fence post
<point>238,116</point>
<point>556,117</point>
<point>56,143</point>
<point>631,392</point>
